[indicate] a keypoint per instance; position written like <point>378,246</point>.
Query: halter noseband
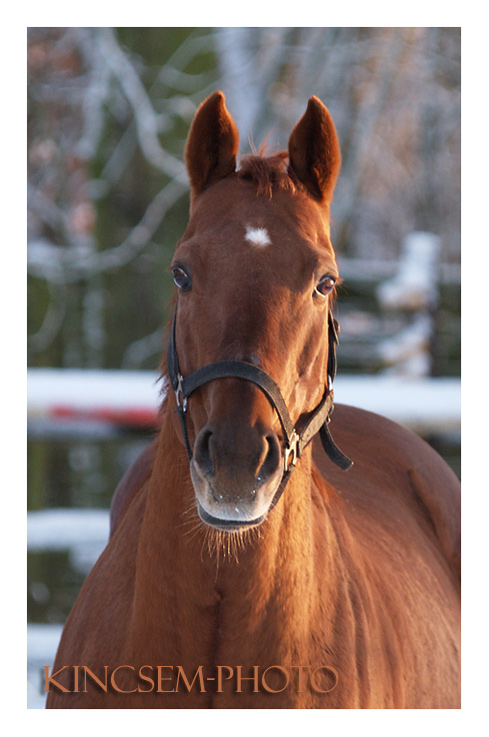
<point>294,443</point>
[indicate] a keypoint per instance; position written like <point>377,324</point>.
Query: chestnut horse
<point>248,565</point>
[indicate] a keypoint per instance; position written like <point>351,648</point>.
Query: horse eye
<point>325,286</point>
<point>181,278</point>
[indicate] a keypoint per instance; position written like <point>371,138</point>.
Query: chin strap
<point>294,443</point>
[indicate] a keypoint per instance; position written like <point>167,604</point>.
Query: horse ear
<point>314,151</point>
<point>212,144</point>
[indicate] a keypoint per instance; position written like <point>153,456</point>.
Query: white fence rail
<point>132,398</point>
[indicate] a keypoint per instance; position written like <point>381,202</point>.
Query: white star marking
<point>257,236</point>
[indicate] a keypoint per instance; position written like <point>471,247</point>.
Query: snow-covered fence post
<point>413,291</point>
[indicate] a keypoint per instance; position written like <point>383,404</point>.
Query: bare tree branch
<point>148,123</point>
<point>68,264</point>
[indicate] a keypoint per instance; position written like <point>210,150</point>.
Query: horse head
<point>255,273</point>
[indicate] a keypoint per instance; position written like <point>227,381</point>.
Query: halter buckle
<point>291,450</point>
<point>179,394</point>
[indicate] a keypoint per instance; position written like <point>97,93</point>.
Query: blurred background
<point>108,114</point>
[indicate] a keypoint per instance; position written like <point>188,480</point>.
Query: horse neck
<point>187,573</point>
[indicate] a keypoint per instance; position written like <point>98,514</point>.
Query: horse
<point>252,563</point>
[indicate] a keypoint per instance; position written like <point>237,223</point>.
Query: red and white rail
<point>132,398</point>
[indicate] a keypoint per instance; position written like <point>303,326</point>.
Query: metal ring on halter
<point>179,393</point>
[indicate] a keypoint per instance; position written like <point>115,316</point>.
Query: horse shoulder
<point>130,484</point>
<point>391,460</point>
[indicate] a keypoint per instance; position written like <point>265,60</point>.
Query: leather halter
<point>294,442</point>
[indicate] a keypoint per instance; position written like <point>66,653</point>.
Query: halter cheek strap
<point>294,443</point>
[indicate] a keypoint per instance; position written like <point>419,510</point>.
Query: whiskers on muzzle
<point>218,544</point>
<point>227,546</point>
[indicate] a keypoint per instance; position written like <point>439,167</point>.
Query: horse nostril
<point>202,452</point>
<point>272,459</point>
<point>232,475</point>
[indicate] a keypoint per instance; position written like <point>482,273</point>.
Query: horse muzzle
<point>236,472</point>
<point>226,498</point>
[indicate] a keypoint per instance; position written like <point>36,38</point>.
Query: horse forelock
<point>269,173</point>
